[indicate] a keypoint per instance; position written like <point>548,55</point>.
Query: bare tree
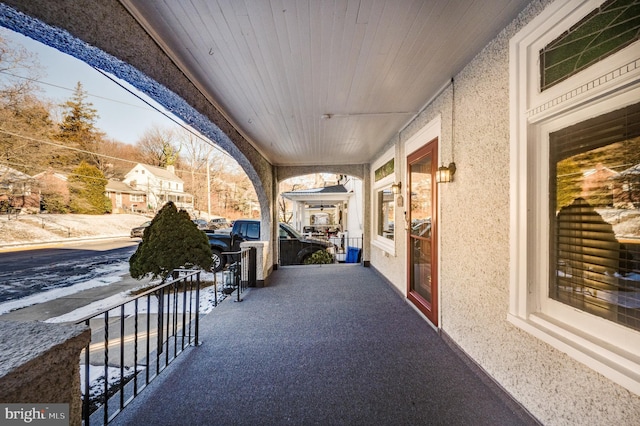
<point>158,147</point>
<point>195,162</point>
<point>117,158</point>
<point>284,204</point>
<point>24,118</point>
<point>20,70</point>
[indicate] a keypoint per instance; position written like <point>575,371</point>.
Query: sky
<point>122,116</point>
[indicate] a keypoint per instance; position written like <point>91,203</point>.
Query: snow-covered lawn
<point>43,228</point>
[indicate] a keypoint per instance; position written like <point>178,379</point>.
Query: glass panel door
<point>422,279</point>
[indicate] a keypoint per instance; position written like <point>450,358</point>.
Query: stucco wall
<point>394,268</point>
<point>46,370</point>
<point>474,254</point>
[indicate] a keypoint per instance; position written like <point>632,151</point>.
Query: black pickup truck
<point>294,248</point>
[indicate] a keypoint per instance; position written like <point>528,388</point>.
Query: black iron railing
<point>131,343</point>
<point>347,249</point>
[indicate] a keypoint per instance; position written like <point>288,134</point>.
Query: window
<point>253,230</point>
<point>595,223</point>
<point>250,230</point>
<point>383,200</point>
<point>385,170</point>
<point>574,148</point>
<point>136,197</point>
<point>386,213</point>
<point>607,29</point>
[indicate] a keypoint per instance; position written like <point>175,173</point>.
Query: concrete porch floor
<point>327,345</point>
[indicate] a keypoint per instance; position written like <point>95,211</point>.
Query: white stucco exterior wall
<point>474,252</point>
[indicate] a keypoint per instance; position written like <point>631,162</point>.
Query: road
<point>24,272</point>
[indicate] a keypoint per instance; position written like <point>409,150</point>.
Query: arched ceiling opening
<point>144,66</point>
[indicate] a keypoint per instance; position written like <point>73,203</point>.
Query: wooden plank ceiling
<point>314,82</point>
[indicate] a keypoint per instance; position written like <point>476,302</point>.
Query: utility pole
<point>208,189</point>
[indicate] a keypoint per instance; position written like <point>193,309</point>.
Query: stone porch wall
<point>40,364</point>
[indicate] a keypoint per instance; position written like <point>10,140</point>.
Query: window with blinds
<point>595,216</point>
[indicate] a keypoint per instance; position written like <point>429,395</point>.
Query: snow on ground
<point>96,381</point>
<point>625,222</point>
<point>43,228</point>
<point>110,274</point>
<point>207,301</point>
<point>28,229</point>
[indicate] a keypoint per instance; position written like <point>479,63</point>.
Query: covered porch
<point>332,344</point>
<point>327,211</point>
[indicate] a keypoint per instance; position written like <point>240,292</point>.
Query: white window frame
<point>607,347</point>
<point>379,241</point>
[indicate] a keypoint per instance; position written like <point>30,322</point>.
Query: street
<point>41,273</point>
<point>24,272</point>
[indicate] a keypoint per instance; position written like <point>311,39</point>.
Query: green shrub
<point>321,257</point>
<point>171,241</point>
<point>55,203</point>
<point>87,190</point>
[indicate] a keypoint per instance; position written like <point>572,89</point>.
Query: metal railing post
<point>106,368</point>
<point>236,279</point>
<point>87,380</point>
<point>160,320</point>
<point>197,319</point>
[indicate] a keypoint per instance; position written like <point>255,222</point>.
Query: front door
<point>422,268</point>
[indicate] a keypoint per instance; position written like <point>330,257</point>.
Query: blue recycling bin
<point>353,255</point>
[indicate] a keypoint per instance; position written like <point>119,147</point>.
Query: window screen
<point>595,216</point>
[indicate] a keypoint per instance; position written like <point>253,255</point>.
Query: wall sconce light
<point>395,188</point>
<point>445,173</point>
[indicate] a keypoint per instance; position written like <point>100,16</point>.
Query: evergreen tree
<point>77,128</point>
<point>87,187</point>
<point>171,241</point>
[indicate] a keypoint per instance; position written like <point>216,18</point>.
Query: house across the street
<point>125,199</point>
<point>158,186</point>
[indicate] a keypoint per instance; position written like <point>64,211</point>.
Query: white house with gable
<point>160,185</point>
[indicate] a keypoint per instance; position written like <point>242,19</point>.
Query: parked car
<point>138,231</point>
<point>201,224</point>
<point>219,223</point>
<point>294,248</point>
